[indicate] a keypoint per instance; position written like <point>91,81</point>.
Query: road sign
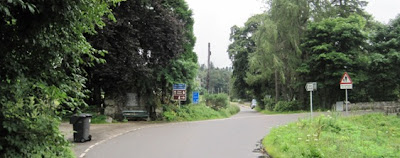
<point>346,82</point>
<point>179,92</point>
<point>179,86</point>
<point>311,86</point>
<point>195,97</point>
<point>346,86</point>
<point>346,79</point>
<point>179,95</point>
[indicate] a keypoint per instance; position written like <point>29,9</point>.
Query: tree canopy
<point>41,70</point>
<point>150,48</point>
<point>300,41</point>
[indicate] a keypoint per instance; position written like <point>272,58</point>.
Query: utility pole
<point>208,66</point>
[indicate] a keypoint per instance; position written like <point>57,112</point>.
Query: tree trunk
<point>276,86</point>
<point>97,97</point>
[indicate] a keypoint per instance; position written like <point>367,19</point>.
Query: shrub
<point>283,106</point>
<point>217,101</point>
<point>169,115</point>
<point>268,103</point>
<point>196,112</point>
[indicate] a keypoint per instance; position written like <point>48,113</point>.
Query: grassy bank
<point>269,112</point>
<point>198,112</point>
<point>372,135</point>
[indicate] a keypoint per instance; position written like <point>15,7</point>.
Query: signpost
<point>346,83</point>
<point>311,86</point>
<point>195,97</point>
<point>179,92</point>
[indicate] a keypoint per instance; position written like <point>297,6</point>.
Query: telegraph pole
<point>208,66</point>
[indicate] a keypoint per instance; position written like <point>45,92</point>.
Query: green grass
<point>268,112</point>
<point>198,112</point>
<point>372,135</point>
<point>98,119</point>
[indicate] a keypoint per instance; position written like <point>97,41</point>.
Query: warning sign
<point>346,79</point>
<point>346,82</point>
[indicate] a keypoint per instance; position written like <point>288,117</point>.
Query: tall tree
<point>334,46</point>
<point>150,48</point>
<point>41,74</point>
<point>240,48</point>
<point>184,68</point>
<point>385,59</point>
<point>278,47</point>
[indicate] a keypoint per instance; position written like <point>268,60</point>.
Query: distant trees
<point>220,79</point>
<point>296,42</point>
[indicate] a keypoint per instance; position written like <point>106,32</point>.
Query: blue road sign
<point>195,97</point>
<point>179,86</point>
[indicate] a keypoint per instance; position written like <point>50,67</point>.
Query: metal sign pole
<point>347,113</point>
<point>311,103</point>
<point>179,101</point>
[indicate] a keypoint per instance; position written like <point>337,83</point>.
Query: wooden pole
<point>208,66</point>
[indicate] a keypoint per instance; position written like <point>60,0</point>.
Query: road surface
<point>235,137</point>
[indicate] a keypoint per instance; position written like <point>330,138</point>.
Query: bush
<point>283,106</point>
<point>196,112</point>
<point>268,104</point>
<point>217,101</point>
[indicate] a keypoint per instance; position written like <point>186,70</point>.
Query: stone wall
<point>117,103</point>
<point>373,105</point>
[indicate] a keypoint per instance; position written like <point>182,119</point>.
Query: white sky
<point>214,18</point>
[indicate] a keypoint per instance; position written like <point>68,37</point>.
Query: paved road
<point>235,137</point>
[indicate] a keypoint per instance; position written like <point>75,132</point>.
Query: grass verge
<point>371,135</point>
<point>268,112</point>
<point>198,112</point>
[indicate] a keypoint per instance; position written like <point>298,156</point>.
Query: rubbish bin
<point>81,126</point>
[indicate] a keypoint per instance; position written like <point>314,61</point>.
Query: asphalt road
<point>235,137</point>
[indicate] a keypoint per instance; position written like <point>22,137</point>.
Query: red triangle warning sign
<point>346,79</point>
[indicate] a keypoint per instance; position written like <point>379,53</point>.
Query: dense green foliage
<point>372,135</point>
<point>150,48</point>
<point>282,106</point>
<point>300,41</point>
<point>242,45</point>
<point>41,74</point>
<point>334,46</point>
<point>217,101</point>
<point>197,112</point>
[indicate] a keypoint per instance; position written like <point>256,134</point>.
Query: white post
<point>347,113</point>
<point>311,103</point>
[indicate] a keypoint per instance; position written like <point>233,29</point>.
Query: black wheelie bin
<point>81,126</point>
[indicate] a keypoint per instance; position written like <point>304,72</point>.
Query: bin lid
<point>76,117</point>
<point>82,115</point>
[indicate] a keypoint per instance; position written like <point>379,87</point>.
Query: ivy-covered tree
<point>150,48</point>
<point>184,68</point>
<point>41,75</point>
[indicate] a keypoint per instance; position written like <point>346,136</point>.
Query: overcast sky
<point>214,18</point>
